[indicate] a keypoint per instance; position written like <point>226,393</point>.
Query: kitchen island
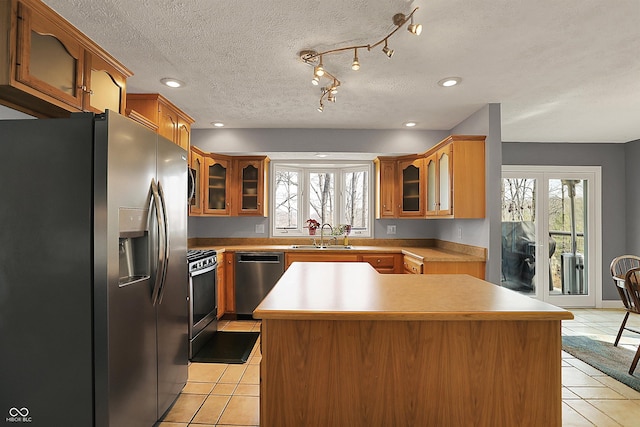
<point>344,345</point>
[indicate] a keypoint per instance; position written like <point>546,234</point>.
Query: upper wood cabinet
<point>455,173</point>
<point>49,69</point>
<point>411,182</point>
<point>217,185</point>
<point>173,123</point>
<point>386,194</point>
<point>197,172</point>
<point>250,186</point>
<point>229,185</point>
<point>447,181</point>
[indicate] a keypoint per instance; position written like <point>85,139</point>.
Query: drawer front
<point>412,265</point>
<point>380,261</point>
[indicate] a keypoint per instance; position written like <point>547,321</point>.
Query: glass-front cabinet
<point>50,60</point>
<point>49,68</point>
<point>250,186</point>
<point>411,178</point>
<point>196,169</point>
<point>217,194</point>
<point>439,182</point>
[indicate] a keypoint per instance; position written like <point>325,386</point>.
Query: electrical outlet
<point>259,228</point>
<point>391,229</point>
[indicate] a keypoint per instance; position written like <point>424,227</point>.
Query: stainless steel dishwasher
<point>256,273</point>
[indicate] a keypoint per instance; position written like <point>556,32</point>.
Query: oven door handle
<point>204,270</point>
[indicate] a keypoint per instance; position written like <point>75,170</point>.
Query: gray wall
<point>632,157</point>
<point>611,157</point>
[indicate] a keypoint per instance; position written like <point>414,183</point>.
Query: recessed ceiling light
<point>322,155</point>
<point>409,124</point>
<point>449,81</point>
<point>172,82</point>
<point>218,124</point>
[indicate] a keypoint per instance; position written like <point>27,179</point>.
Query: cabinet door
<point>432,184</point>
<point>104,86</point>
<point>183,134</point>
<point>411,179</point>
<point>412,265</point>
<point>49,60</point>
<point>445,162</point>
<point>168,122</point>
<point>221,285</point>
<point>230,282</point>
<point>196,204</point>
<point>250,187</point>
<point>217,180</point>
<point>386,177</point>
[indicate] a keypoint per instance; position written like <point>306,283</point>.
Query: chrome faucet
<point>322,233</point>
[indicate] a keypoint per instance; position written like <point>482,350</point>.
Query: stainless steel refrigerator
<point>93,272</point>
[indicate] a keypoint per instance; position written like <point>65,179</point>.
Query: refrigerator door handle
<point>167,246</point>
<point>162,243</point>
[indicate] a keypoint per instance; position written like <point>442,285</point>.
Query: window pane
<point>321,197</point>
<point>356,191</point>
<point>286,199</point>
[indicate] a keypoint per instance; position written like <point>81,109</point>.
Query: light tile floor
<point>228,395</point>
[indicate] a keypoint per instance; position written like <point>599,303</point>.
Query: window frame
<point>306,168</point>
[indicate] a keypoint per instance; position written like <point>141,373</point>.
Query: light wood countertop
<point>355,291</point>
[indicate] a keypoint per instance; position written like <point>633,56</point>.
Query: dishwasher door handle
<point>260,258</point>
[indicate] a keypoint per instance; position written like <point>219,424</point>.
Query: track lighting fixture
<point>314,58</point>
<point>318,71</point>
<point>355,65</point>
<point>415,29</point>
<point>386,50</point>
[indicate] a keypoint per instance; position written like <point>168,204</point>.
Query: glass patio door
<point>549,222</point>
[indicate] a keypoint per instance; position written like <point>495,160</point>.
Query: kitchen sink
<point>318,247</point>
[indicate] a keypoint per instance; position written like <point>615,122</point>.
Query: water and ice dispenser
<point>133,246</point>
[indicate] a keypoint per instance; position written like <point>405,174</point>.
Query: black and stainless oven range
<point>203,301</point>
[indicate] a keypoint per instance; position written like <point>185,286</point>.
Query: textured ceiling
<point>562,70</point>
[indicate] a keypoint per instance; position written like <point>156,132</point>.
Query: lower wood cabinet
<point>475,269</point>
<point>230,282</point>
<point>221,285</point>
<point>412,265</point>
<point>385,263</point>
<point>315,257</point>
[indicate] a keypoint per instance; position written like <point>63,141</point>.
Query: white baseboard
<point>612,304</point>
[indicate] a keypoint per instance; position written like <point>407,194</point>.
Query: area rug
<point>613,361</point>
<point>227,347</point>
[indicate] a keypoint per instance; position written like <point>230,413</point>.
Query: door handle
<point>161,241</point>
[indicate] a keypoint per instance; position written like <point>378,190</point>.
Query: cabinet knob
<point>378,261</point>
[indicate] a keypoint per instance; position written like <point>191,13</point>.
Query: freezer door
<point>125,318</point>
<point>172,309</point>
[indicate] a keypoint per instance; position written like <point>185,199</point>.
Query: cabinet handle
<point>84,89</point>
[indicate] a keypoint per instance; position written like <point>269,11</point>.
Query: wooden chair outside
<point>629,291</point>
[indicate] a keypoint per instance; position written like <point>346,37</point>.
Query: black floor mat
<point>227,347</point>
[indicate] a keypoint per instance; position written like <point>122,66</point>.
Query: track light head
<point>315,80</point>
<point>355,65</point>
<point>321,108</point>
<point>318,70</point>
<point>415,29</point>
<point>386,50</point>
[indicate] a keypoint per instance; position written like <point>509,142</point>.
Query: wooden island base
<point>378,361</point>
